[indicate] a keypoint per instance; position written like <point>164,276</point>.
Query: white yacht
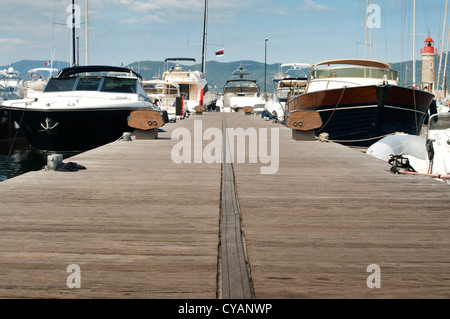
<point>192,83</point>
<point>39,78</point>
<point>80,109</point>
<point>239,93</point>
<point>11,80</point>
<point>164,94</point>
<point>292,77</point>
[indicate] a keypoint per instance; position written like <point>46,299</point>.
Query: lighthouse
<point>428,65</point>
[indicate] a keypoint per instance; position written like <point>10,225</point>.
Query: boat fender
<point>430,149</point>
<point>165,117</point>
<point>400,163</point>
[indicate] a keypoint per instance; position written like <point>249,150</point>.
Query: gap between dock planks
<point>234,281</point>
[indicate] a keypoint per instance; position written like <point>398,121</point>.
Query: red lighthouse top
<point>428,46</point>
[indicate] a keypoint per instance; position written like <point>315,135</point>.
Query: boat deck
<point>141,226</point>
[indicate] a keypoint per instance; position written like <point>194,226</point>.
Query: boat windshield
<point>160,89</point>
<point>88,84</point>
<point>440,122</point>
<point>355,72</point>
<point>241,87</point>
<point>94,83</point>
<point>120,85</point>
<point>60,84</point>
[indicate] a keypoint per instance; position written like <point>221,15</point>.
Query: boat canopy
<point>180,59</point>
<point>296,65</point>
<point>361,62</point>
<point>95,68</point>
<point>51,70</point>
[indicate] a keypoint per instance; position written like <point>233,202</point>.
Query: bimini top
<point>362,62</point>
<point>95,68</point>
<point>180,59</point>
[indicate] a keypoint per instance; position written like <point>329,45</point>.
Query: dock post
<point>151,134</point>
<point>298,135</point>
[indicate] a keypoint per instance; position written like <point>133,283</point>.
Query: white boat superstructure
<point>163,94</point>
<point>192,83</point>
<point>292,78</point>
<point>11,80</point>
<point>239,93</point>
<point>340,73</point>
<point>39,78</point>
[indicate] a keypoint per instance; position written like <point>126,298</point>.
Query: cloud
<point>311,6</point>
<point>11,41</point>
<point>152,6</point>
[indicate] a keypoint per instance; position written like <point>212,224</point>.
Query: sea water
<point>22,158</point>
<point>19,159</point>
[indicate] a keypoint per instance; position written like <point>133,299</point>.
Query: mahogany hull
<point>359,116</point>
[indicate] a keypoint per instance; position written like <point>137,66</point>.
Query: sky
<point>307,31</point>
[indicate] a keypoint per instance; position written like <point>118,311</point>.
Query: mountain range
<point>217,73</point>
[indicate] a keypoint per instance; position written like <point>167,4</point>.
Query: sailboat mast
<point>74,62</point>
<point>442,46</point>
<point>86,31</point>
<point>205,22</point>
<point>414,45</point>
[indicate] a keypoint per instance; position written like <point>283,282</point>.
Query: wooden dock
<point>141,226</point>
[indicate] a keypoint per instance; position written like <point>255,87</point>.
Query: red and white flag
<point>219,53</point>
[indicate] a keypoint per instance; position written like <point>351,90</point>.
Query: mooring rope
<point>339,101</point>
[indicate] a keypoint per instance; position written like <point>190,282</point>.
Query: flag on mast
<point>219,53</point>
